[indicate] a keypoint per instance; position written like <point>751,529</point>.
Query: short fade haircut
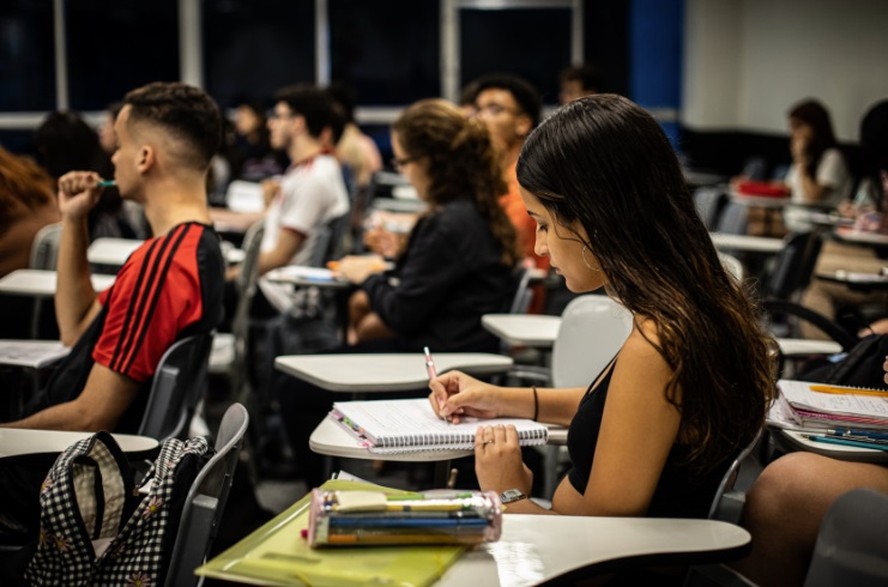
<point>186,112</point>
<point>312,103</point>
<point>527,96</point>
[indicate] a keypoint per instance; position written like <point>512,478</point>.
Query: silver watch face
<point>510,495</point>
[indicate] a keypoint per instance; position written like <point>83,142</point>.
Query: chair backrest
<point>322,238</point>
<point>852,545</point>
<point>522,293</point>
<point>727,505</point>
<point>732,265</point>
<point>709,202</point>
<point>179,382</point>
<point>246,285</point>
<point>792,267</point>
<point>206,500</point>
<point>593,328</point>
<point>732,219</point>
<point>45,247</point>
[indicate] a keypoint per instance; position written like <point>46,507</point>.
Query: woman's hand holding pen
<point>455,394</point>
<point>498,463</point>
<point>79,191</point>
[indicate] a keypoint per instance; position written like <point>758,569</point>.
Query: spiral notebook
<point>808,404</point>
<point>410,425</point>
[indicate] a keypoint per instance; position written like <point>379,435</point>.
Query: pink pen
<point>430,368</point>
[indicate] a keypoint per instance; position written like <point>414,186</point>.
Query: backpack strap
<point>139,551</point>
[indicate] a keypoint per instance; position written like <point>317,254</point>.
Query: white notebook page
<point>410,425</point>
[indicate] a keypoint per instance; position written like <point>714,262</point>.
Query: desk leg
<point>442,473</point>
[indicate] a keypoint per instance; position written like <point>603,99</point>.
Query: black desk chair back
<point>793,266</point>
<point>178,384</point>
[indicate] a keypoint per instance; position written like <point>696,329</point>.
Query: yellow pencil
<point>849,390</point>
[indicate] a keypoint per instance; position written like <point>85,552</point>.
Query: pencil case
<point>358,518</point>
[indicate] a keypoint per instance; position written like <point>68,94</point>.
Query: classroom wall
<point>747,61</point>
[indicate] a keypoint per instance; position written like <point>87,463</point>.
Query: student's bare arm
<point>99,406</point>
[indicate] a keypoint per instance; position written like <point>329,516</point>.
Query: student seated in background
<point>65,142</point>
<point>578,81</point>
<point>510,108</point>
<point>832,299</point>
<point>819,175</point>
<point>656,431</point>
<point>169,288</point>
<point>457,265</point>
<point>311,193</point>
<point>786,505</point>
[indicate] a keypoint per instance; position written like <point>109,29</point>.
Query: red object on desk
<point>762,189</point>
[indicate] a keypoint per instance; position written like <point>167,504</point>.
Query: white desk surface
<point>301,276</point>
<point>861,237</point>
<point>534,549</point>
<point>33,354</point>
<point>356,373</point>
<point>801,346</point>
<point>41,283</point>
<point>331,439</point>
<point>532,330</point>
<point>111,251</point>
<point>20,442</point>
<point>745,242</point>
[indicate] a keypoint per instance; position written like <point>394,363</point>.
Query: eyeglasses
<point>398,163</point>
<point>493,109</point>
<point>275,115</point>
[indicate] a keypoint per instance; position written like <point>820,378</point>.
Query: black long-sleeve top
<point>448,277</point>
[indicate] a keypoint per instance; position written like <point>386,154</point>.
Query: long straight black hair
<point>603,161</point>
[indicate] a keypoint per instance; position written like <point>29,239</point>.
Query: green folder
<point>277,554</point>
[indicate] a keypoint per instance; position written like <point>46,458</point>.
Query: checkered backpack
<point>97,528</point>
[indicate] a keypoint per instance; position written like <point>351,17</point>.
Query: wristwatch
<point>510,495</point>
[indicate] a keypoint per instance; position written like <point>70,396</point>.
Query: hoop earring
<point>586,263</point>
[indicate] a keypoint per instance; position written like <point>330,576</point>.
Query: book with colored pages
<point>410,425</point>
<point>816,405</point>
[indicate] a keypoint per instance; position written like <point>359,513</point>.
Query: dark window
<point>252,48</point>
<point>115,46</point>
<point>27,64</point>
<point>532,43</point>
<point>388,51</point>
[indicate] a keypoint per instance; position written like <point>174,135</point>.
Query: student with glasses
<point>457,265</point>
<point>510,108</point>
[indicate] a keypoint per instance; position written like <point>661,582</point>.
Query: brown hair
<point>24,187</point>
<point>461,163</point>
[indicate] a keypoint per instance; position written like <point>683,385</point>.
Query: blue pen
<point>846,442</point>
<point>345,522</point>
<point>106,183</point>
<point>857,432</point>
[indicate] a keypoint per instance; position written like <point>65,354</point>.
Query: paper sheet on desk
<point>799,394</point>
<point>31,353</point>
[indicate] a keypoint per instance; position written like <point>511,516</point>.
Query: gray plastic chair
<point>45,247</point>
<point>206,500</point>
<point>575,362</point>
<point>852,546</point>
<point>178,384</point>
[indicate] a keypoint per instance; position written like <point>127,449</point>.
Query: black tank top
<point>681,491</point>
